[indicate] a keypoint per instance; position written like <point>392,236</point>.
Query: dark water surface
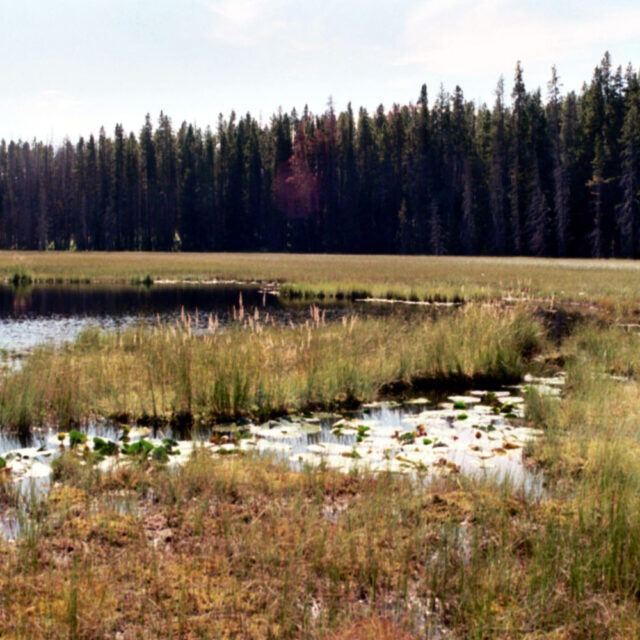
<point>52,314</point>
<point>88,300</point>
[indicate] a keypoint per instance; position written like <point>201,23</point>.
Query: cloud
<point>244,23</point>
<point>463,38</point>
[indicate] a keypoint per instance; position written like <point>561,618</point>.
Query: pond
<point>52,314</point>
<point>482,433</point>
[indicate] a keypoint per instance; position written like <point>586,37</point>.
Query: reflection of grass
<point>435,279</point>
<point>251,369</point>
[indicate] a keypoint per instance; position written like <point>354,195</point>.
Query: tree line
<point>555,176</point>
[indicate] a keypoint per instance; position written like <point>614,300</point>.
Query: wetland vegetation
<point>244,544</point>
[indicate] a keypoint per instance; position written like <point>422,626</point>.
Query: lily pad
<point>76,438</point>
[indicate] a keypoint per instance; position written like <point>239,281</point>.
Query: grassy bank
<point>611,283</point>
<point>251,369</point>
<point>246,548</point>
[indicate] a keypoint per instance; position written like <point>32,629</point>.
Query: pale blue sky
<point>69,66</point>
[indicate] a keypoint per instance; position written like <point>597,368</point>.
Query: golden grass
<point>608,282</point>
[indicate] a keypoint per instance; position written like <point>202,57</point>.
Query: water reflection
<point>121,300</point>
<point>56,313</point>
<point>52,314</point>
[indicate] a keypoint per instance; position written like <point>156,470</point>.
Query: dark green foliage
<point>76,438</point>
<point>20,278</point>
<point>160,454</point>
<point>529,177</point>
<point>141,448</point>
<point>105,447</point>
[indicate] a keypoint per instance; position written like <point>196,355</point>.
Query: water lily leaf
<point>105,447</point>
<point>76,438</point>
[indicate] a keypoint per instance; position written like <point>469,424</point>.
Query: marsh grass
<point>251,369</point>
<point>245,547</point>
<point>248,548</point>
<point>612,284</point>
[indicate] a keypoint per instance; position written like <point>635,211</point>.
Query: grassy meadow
<point>610,283</point>
<point>244,547</point>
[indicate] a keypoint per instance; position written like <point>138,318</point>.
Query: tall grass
<point>258,370</point>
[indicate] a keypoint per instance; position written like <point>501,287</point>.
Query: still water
<point>52,314</point>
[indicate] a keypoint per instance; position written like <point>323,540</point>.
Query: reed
<point>255,369</point>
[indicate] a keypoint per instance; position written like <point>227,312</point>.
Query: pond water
<point>477,434</point>
<point>52,314</point>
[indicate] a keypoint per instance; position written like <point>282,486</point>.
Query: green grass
<point>256,370</point>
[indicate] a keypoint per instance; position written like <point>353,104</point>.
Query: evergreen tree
<point>627,218</point>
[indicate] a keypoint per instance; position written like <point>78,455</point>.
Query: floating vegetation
<point>397,438</point>
<point>76,438</point>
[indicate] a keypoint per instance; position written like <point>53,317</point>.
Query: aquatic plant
<point>76,438</point>
<point>105,447</point>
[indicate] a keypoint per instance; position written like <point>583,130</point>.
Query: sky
<point>70,66</point>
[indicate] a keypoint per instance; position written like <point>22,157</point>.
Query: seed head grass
<point>254,370</point>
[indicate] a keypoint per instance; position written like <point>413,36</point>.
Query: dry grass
<point>607,282</point>
<point>246,548</point>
